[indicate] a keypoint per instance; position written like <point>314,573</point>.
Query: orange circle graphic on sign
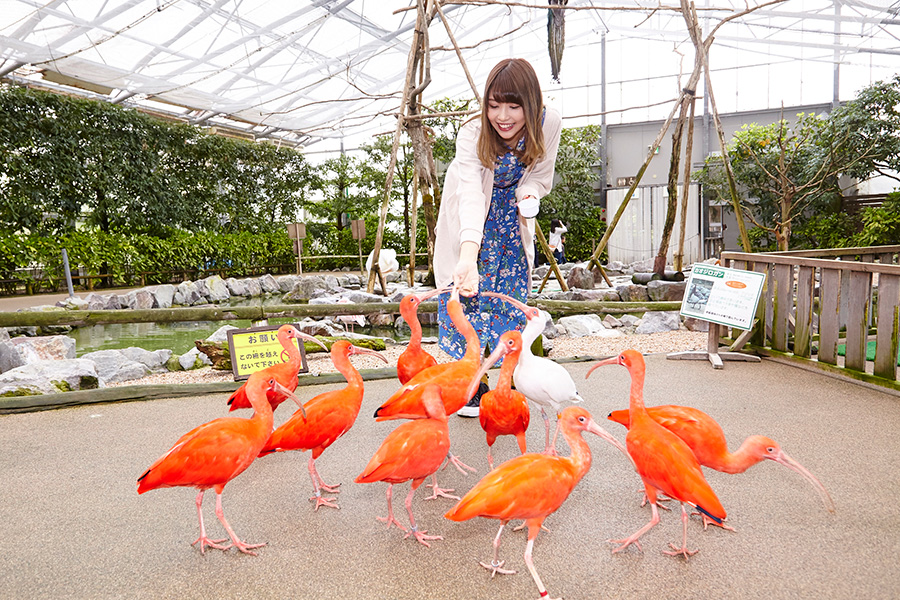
<point>736,284</point>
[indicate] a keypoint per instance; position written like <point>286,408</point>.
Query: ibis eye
<point>582,419</point>
<point>770,450</point>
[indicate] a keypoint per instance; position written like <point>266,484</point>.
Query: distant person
<point>557,241</point>
<point>485,230</point>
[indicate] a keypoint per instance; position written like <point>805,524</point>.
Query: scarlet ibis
<point>413,451</point>
<point>531,487</point>
<point>663,460</point>
<point>707,439</point>
<point>414,359</point>
<point>285,373</point>
<point>503,411</point>
<point>350,320</point>
<point>328,416</point>
<point>543,381</point>
<point>213,454</point>
<point>453,378</point>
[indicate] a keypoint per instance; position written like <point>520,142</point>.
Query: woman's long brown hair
<point>512,80</point>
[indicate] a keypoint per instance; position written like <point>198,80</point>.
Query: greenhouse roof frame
<point>314,73</point>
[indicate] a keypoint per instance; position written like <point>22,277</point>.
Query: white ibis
<point>543,381</point>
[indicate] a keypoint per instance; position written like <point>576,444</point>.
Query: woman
<point>485,230</point>
<point>556,241</point>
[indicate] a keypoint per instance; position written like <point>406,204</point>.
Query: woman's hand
<point>465,275</point>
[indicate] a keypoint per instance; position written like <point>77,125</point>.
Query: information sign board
<point>721,295</point>
<point>256,348</point>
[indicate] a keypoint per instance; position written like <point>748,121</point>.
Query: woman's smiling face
<point>508,119</point>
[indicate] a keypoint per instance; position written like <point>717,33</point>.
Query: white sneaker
<point>473,406</point>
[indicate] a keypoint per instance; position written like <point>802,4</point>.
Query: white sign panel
<point>724,296</point>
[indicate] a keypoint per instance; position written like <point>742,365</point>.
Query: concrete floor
<point>73,525</point>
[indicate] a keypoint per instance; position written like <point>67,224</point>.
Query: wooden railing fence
<point>816,301</point>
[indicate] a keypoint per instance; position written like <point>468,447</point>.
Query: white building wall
<point>639,231</point>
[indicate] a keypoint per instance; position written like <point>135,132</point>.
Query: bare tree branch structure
<point>410,115</point>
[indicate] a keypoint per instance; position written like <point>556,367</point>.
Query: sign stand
<point>358,230</point>
<point>724,298</point>
<point>712,350</point>
<point>297,232</point>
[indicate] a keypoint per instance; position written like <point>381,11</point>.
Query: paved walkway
<point>73,525</point>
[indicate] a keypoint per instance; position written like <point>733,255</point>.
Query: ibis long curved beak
<point>609,361</point>
<point>498,353</point>
<point>517,303</point>
<point>604,434</point>
<point>312,339</point>
<point>425,296</point>
<point>782,458</point>
<point>369,351</point>
<point>297,334</point>
<point>289,394</point>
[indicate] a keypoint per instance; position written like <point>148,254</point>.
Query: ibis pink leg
<point>683,550</point>
<point>497,564</point>
<point>460,465</point>
<point>552,449</point>
<point>237,543</point>
<point>547,446</point>
<point>707,522</point>
<point>205,541</point>
<point>318,485</point>
<point>414,530</point>
<point>533,529</point>
<point>439,491</point>
<point>636,536</point>
<point>389,519</point>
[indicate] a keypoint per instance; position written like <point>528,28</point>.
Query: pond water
<point>180,337</point>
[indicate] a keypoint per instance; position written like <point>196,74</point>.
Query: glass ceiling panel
<point>322,72</point>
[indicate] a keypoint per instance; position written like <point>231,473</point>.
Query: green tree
<point>373,175</point>
<point>343,197</point>
<point>446,128</point>
<point>572,197</point>
<point>251,186</point>
<point>66,160</point>
<point>791,173</point>
<point>40,170</point>
<point>880,225</point>
<point>871,122</point>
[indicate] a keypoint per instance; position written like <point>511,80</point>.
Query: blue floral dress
<point>502,267</point>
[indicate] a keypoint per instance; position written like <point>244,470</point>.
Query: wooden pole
<point>413,221</point>
<point>685,187</point>
<point>701,47</point>
<point>414,51</point>
<point>554,268</point>
<point>594,259</point>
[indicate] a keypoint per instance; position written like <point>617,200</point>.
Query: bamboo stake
<point>594,259</point>
<point>413,219</point>
<point>689,12</point>
<point>421,26</point>
<point>554,268</point>
<point>685,187</point>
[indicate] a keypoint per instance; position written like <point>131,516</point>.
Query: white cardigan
<point>467,196</point>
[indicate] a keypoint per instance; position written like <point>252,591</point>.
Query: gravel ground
<point>563,347</point>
